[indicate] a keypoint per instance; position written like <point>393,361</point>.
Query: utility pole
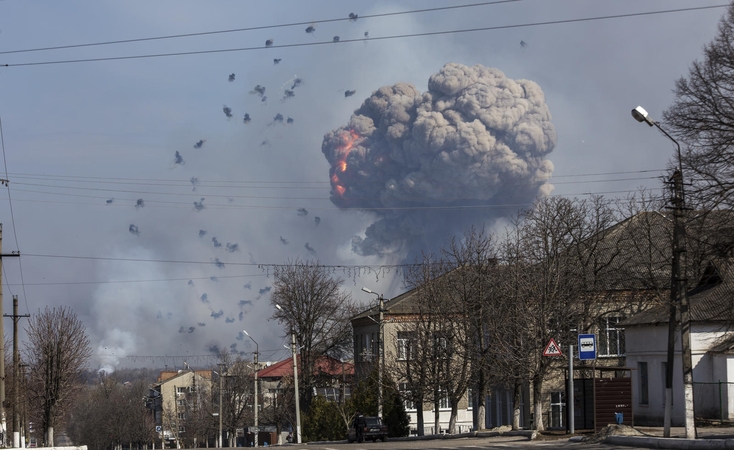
<point>257,429</point>
<point>3,425</point>
<point>221,376</point>
<point>295,380</point>
<point>680,286</point>
<point>16,372</point>
<point>381,357</point>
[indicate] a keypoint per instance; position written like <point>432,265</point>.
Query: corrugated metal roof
<point>324,365</point>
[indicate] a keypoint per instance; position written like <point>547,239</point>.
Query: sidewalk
<point>708,438</point>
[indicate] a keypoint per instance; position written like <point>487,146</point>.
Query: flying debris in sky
<point>289,121</point>
<point>194,182</point>
<point>199,205</point>
<point>181,330</point>
<point>259,90</point>
<point>140,203</point>
<point>349,93</point>
<point>366,34</point>
<point>218,263</point>
<point>216,242</point>
<point>283,240</point>
<point>199,143</point>
<point>264,143</point>
<point>278,118</point>
<point>191,283</point>
<point>248,285</point>
<point>217,315</point>
<point>179,159</point>
<point>523,44</point>
<point>310,29</point>
<point>227,111</point>
<point>264,99</point>
<point>302,212</point>
<point>247,118</point>
<point>110,200</point>
<point>204,298</point>
<point>202,233</point>
<point>242,303</point>
<point>310,249</point>
<point>475,138</point>
<point>134,229</point>
<point>231,77</point>
<point>269,43</point>
<point>297,82</point>
<point>288,94</point>
<point>317,219</point>
<point>336,38</point>
<point>191,329</point>
<point>201,324</point>
<point>214,279</point>
<point>264,290</point>
<point>232,247</point>
<point>276,61</point>
<point>229,320</point>
<point>214,349</point>
<point>353,17</point>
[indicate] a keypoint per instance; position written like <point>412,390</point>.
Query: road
<point>455,444</point>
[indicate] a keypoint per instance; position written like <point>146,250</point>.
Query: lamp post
<point>295,375</point>
<point>257,352</point>
<point>678,295</point>
<point>221,375</point>
<point>380,353</point>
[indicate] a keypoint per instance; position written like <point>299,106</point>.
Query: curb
<point>671,443</point>
<point>530,434</point>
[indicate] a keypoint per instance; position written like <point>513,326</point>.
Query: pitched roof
<point>325,365</point>
<point>712,300</point>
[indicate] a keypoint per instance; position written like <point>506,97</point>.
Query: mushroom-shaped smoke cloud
<point>430,164</point>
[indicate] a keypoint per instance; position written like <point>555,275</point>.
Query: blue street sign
<point>587,346</point>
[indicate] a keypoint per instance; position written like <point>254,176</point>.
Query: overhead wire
<point>12,215</point>
<point>371,38</point>
<point>255,28</point>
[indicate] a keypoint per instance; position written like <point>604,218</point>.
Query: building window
<point>611,337</point>
<point>469,399</point>
<point>181,403</point>
<point>181,416</point>
<point>558,404</point>
<point>441,347</point>
<point>642,373</point>
<point>444,402</point>
<point>405,393</point>
<point>405,345</point>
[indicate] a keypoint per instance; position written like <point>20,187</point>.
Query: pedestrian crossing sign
<point>552,349</point>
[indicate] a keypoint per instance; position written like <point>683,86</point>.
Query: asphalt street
<point>462,443</point>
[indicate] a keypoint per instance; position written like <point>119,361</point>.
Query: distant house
<point>333,377</point>
<point>712,349</point>
<point>175,393</point>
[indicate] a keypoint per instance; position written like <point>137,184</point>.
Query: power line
<point>378,38</point>
<point>12,215</point>
<point>62,283</point>
<point>262,27</point>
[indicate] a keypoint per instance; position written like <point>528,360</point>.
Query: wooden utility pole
<point>3,426</point>
<point>16,372</point>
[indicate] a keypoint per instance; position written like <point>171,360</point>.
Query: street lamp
<point>257,352</point>
<point>380,353</point>
<point>221,375</point>
<point>295,374</point>
<point>678,297</point>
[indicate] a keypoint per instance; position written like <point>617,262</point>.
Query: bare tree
<point>702,117</point>
<point>57,350</point>
<point>315,308</point>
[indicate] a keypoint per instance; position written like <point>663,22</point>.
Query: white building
<point>712,349</point>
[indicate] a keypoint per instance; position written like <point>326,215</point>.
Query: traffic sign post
<point>552,349</point>
<point>587,346</point>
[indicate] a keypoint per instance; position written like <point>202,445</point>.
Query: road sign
<point>587,346</point>
<point>552,349</point>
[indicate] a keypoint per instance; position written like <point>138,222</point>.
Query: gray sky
<point>79,134</point>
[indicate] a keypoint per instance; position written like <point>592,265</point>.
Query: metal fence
<point>711,400</point>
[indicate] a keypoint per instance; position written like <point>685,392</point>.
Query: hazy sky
<point>84,141</point>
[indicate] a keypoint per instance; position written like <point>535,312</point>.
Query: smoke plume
<point>232,247</point>
<point>429,164</point>
<point>227,111</point>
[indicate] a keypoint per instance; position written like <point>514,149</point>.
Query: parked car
<point>373,430</point>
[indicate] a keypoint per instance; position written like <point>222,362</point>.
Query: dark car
<point>373,429</point>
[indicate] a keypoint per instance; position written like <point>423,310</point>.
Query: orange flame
<point>342,153</point>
